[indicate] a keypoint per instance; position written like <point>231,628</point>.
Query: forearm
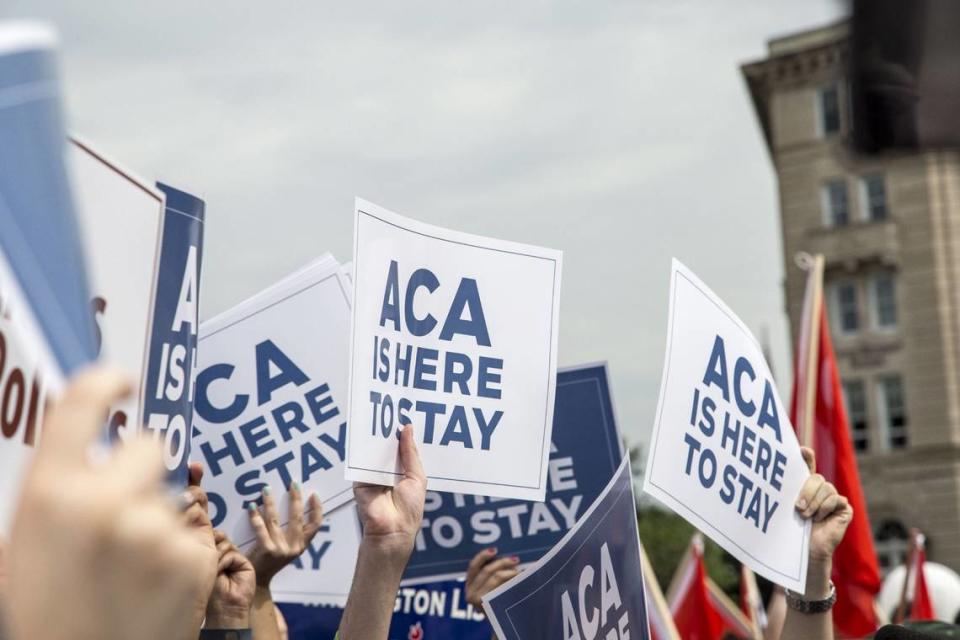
<point>263,617</point>
<point>373,593</point>
<point>811,626</point>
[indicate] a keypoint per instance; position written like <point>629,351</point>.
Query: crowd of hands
<point>100,550</point>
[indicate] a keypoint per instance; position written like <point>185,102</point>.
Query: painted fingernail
<point>295,486</point>
<point>802,503</point>
<point>251,506</point>
<point>266,490</point>
<point>515,559</point>
<point>492,551</point>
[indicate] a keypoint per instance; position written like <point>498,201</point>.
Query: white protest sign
<point>456,334</point>
<point>271,388</point>
<point>723,453</point>
<point>324,573</point>
<point>121,220</point>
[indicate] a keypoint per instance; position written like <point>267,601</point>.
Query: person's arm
<point>277,547</point>
<point>831,514</point>
<point>391,518</point>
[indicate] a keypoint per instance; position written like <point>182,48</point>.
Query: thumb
<point>410,455</point>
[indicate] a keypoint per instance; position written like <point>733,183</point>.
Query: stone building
<point>889,229</point>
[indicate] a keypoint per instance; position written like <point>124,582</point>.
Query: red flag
<point>818,402</point>
<point>690,603</point>
<point>922,608</point>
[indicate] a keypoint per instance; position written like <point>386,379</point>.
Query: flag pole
<point>814,267</point>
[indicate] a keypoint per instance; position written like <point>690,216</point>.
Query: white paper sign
<point>270,397</point>
<point>723,453</point>
<point>456,334</point>
<point>121,220</point>
<point>324,573</point>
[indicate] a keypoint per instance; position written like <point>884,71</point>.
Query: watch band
<point>797,603</point>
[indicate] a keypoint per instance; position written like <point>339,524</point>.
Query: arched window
<point>892,544</point>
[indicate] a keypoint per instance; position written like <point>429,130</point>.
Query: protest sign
<point>438,610</point>
<point>271,385</point>
<point>324,572</point>
<point>585,452</point>
<point>121,219</point>
<point>723,452</point>
<point>42,269</point>
<point>456,334</point>
<point>590,585</point>
<point>168,401</point>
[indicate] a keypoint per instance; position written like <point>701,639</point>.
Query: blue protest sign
<point>42,266</point>
<point>590,585</point>
<point>424,612</point>
<point>585,452</point>
<point>168,399</point>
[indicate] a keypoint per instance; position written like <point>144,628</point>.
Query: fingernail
<point>251,506</point>
<point>266,490</point>
<point>515,559</point>
<point>492,551</point>
<point>400,428</point>
<point>801,504</point>
<point>295,486</point>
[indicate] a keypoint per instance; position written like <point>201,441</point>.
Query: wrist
<point>818,579</point>
<point>394,549</point>
<point>227,618</point>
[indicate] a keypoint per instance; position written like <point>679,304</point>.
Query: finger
<point>808,491</point>
<point>810,457</point>
<point>828,507</point>
<point>137,466</point>
<point>410,456</point>
<point>270,513</point>
<point>315,519</point>
<point>196,495</point>
<point>295,517</point>
<point>497,579</point>
<point>218,536</point>
<point>259,527</point>
<point>478,561</point>
<point>825,491</point>
<point>195,474</point>
<point>78,418</point>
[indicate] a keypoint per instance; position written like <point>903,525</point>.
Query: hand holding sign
<point>486,572</point>
<point>391,516</point>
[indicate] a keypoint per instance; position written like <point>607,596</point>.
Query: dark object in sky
<point>905,74</point>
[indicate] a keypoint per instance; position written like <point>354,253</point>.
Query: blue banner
<point>168,405</point>
<point>589,586</point>
<point>39,234</point>
<point>585,452</point>
<point>424,612</point>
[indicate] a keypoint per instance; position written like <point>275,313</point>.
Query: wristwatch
<point>797,603</point>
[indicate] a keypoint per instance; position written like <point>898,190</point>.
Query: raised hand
<point>233,590</point>
<point>486,572</point>
<point>277,546</point>
<point>391,515</point>
<point>831,513</point>
<point>98,550</point>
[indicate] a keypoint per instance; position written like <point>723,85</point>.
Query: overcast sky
<point>619,131</point>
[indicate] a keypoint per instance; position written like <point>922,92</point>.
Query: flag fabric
<point>700,609</point>
<point>662,626</point>
<point>819,415</point>
<point>751,604</point>
<point>922,608</point>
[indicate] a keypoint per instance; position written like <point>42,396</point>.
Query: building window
<point>856,401</point>
<point>828,111</point>
<point>892,544</point>
<point>892,412</point>
<point>873,196</point>
<point>846,312</point>
<point>883,294</point>
<point>836,209</point>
